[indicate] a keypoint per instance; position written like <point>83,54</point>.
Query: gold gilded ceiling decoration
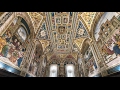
<point>60,56</point>
<point>43,31</point>
<point>36,19</point>
<point>44,43</point>
<point>63,55</point>
<point>75,55</point>
<point>57,27</point>
<point>81,30</point>
<point>88,18</point>
<point>49,55</point>
<point>61,33</point>
<point>79,42</point>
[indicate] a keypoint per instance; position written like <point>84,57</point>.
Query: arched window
<point>70,70</point>
<point>53,70</point>
<point>22,33</point>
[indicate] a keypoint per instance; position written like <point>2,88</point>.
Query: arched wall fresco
<point>13,43</point>
<point>12,46</point>
<point>107,37</point>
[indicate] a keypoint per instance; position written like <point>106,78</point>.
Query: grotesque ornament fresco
<point>81,31</point>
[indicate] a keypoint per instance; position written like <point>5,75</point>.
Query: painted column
<point>96,56</point>
<point>39,70</point>
<point>43,69</point>
<point>83,65</point>
<point>42,72</point>
<point>94,53</point>
<point>77,71</point>
<point>27,61</point>
<point>61,70</point>
<point>47,70</point>
<point>101,59</point>
<point>24,65</point>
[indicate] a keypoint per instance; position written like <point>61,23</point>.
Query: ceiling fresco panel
<point>88,18</point>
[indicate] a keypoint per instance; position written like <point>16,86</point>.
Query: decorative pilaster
<point>83,65</point>
<point>77,71</point>
<point>61,70</point>
<point>47,70</point>
<point>100,60</point>
<point>94,54</point>
<point>27,59</point>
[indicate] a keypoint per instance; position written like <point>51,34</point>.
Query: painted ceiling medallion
<point>43,33</point>
<point>81,31</point>
<point>61,29</point>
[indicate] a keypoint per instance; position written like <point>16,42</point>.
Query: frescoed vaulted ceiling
<point>36,19</point>
<point>88,18</point>
<point>63,32</point>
